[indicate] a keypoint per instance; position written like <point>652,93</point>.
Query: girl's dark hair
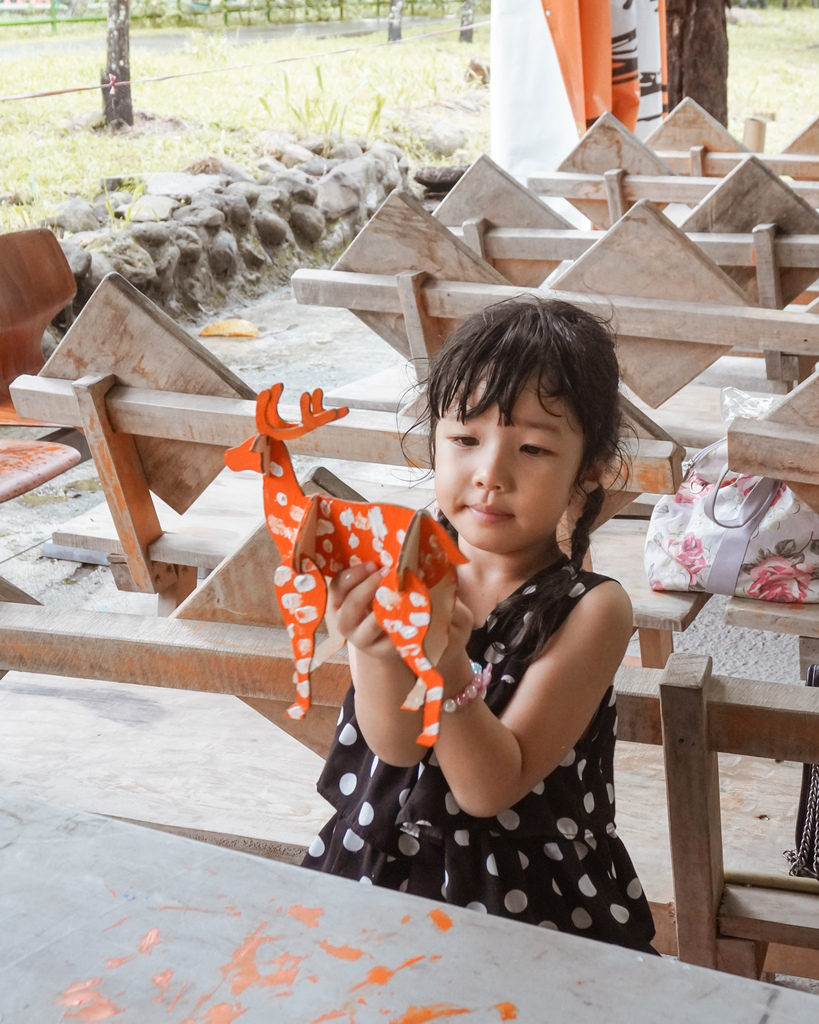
<point>563,352</point>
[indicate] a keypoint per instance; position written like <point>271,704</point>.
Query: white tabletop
<point>101,920</point>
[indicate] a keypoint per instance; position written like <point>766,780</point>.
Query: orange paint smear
<point>91,1005</point>
<point>307,915</point>
<point>405,919</point>
<point>243,962</point>
<point>162,982</point>
<point>287,972</point>
<point>342,952</point>
<point>116,924</point>
<point>334,1015</point>
<point>507,1011</point>
<point>440,919</point>
<point>223,1013</point>
<point>177,997</point>
<point>118,961</point>
<point>149,940</point>
<point>422,1014</point>
<point>381,975</point>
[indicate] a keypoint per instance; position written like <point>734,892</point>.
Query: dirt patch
<point>145,123</point>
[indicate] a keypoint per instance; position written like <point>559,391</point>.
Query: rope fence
<point>114,82</point>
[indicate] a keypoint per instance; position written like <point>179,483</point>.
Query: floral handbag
<point>725,533</point>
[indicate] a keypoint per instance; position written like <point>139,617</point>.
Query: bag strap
<point>804,860</point>
<point>726,563</point>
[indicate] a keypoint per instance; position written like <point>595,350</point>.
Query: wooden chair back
<point>35,284</point>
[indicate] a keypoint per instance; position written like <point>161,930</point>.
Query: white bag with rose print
<point>725,533</point>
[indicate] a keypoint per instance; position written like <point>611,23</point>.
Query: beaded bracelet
<point>476,689</point>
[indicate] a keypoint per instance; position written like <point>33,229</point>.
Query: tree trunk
<point>117,102</point>
<point>393,21</point>
<point>698,54</point>
<point>467,18</point>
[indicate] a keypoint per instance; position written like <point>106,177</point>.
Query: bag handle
<point>757,502</point>
<point>724,572</point>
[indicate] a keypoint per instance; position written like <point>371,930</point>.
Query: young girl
<point>512,811</point>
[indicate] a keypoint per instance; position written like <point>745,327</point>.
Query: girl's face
<point>505,488</point>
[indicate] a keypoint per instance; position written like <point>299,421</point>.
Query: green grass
<point>774,69</point>
<point>226,111</point>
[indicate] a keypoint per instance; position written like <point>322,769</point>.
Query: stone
<point>307,222</point>
<point>217,165</point>
<point>126,256</point>
<point>318,166</point>
<point>346,151</point>
<point>351,186</point>
<point>315,143</point>
<point>72,216</point>
<point>236,208</point>
<point>270,166</point>
<point>153,208</point>
<point>380,147</point>
<point>252,251</point>
<point>200,217</point>
<point>79,259</point>
<point>100,267</point>
<point>117,201</point>
<point>188,243</point>
<point>274,142</point>
<point>48,343</point>
<point>223,254</point>
<point>293,154</point>
<point>478,71</point>
<point>250,192</point>
<point>272,229</point>
<point>444,138</point>
<point>181,186</point>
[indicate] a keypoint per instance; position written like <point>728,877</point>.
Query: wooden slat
<point>726,250</point>
<point>753,912</point>
<point>750,329</point>
<point>657,188</point>
<point>692,785</point>
<point>801,166</point>
<point>362,435</point>
<point>763,447</point>
<point>212,657</point>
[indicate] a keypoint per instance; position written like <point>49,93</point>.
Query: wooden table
<point>103,920</point>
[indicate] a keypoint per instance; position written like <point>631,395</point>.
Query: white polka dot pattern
<point>366,814</point>
<point>408,845</point>
<point>351,841</point>
<point>567,827</point>
<point>348,735</point>
<point>581,918</point>
<point>586,887</point>
<point>347,783</point>
<point>515,901</point>
<point>634,890</point>
<point>475,905</point>
<point>491,865</point>
<point>553,851</point>
<point>452,805</point>
<point>620,914</point>
<point>588,802</point>
<point>317,847</point>
<point>509,819</point>
<point>461,837</point>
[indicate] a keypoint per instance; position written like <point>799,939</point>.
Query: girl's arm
<point>380,678</point>
<point>490,763</point>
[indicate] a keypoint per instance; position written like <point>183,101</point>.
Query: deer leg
<point>405,617</point>
<point>303,599</point>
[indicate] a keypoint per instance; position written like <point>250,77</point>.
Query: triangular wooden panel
<point>403,236</point>
<point>625,262</point>
<point>752,194</point>
<point>119,331</point>
<point>807,141</point>
<point>609,145</point>
<point>689,125</point>
<point>800,409</point>
<point>487,191</point>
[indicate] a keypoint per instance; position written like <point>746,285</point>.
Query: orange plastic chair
<point>35,284</point>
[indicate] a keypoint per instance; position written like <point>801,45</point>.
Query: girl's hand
<point>350,609</point>
<point>454,663</point>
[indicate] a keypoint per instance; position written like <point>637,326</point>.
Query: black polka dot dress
<point>554,859</point>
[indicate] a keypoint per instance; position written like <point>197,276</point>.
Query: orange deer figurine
<point>319,536</point>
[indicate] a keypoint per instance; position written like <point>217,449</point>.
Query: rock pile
<point>216,234</point>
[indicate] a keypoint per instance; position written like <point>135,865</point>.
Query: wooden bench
<point>693,142</point>
<point>611,169</point>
